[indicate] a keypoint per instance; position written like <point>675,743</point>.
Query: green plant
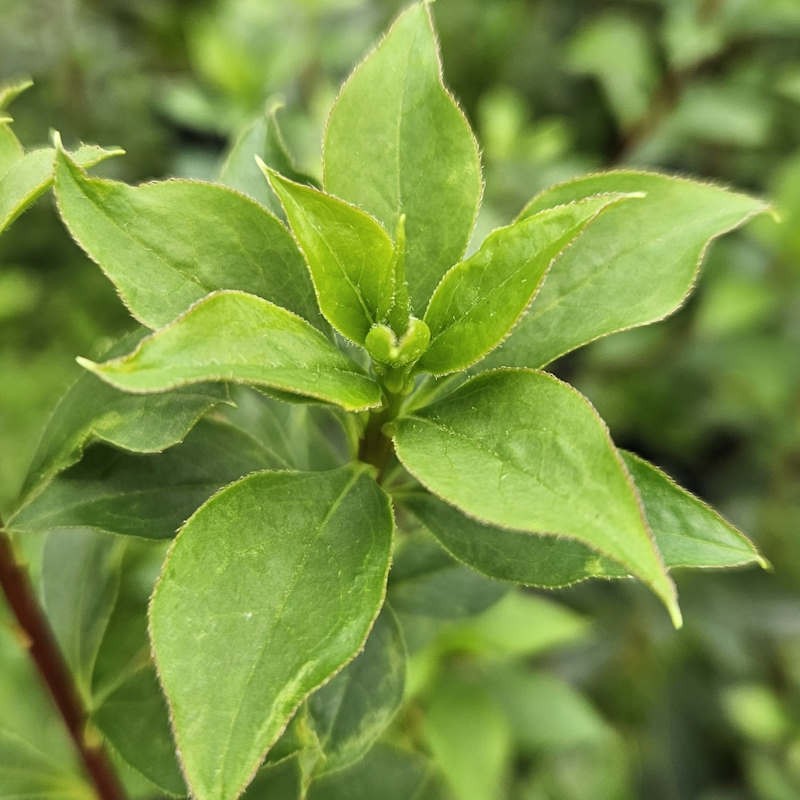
<point>400,414</point>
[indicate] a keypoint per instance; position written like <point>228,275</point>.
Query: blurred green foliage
<point>528,700</point>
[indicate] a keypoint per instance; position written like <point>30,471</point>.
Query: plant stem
<point>375,447</point>
<point>44,651</point>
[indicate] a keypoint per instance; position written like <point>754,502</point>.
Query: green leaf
<point>353,710</point>
<point>282,781</point>
<point>396,143</point>
<point>11,91</point>
<point>303,436</point>
<point>522,450</point>
<point>385,772</point>
<point>165,245</point>
<point>425,580</point>
<point>27,773</point>
<point>262,138</point>
<point>635,266</point>
<point>689,532</point>
<point>519,625</point>
<point>545,713</point>
<point>469,738</point>
<point>92,411</point>
<point>285,572</point>
<point>80,580</point>
<point>128,705</point>
<point>545,561</point>
<point>10,147</point>
<point>144,495</point>
<point>253,342</point>
<point>29,177</point>
<point>618,51</point>
<point>480,300</point>
<point>37,758</point>
<point>351,257</point>
<point>134,718</point>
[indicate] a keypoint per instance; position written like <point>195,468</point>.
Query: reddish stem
<point>44,651</point>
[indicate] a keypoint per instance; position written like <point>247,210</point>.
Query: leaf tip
<point>675,613</point>
<point>86,363</point>
<point>58,144</point>
<point>11,91</point>
<point>269,173</point>
<point>273,105</point>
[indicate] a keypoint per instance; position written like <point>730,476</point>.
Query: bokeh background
<point>618,706</point>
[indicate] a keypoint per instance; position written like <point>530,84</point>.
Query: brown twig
<point>46,655</point>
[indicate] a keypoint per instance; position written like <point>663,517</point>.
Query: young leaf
<point>689,533</point>
<point>274,584</point>
<point>261,138</point>
<point>144,495</point>
<point>352,711</point>
<point>93,411</point>
<point>397,143</point>
<point>522,450</point>
<point>636,266</point>
<point>167,244</point>
<point>480,300</point>
<point>385,772</point>
<point>253,342</point>
<point>351,257</point>
<point>29,177</point>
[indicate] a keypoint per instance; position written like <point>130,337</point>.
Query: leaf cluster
<point>346,402</point>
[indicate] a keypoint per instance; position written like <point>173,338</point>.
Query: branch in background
<point>45,653</point>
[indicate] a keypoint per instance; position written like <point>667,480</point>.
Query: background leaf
<point>80,580</point>
<point>145,495</point>
<point>262,138</point>
<point>426,580</point>
<point>387,772</point>
<point>127,704</point>
<point>91,411</point>
<point>457,711</point>
<point>351,711</point>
